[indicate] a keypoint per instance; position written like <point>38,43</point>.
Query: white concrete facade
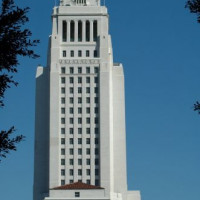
<point>80,109</point>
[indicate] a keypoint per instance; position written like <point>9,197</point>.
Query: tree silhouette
<point>194,7</point>
<point>14,41</point>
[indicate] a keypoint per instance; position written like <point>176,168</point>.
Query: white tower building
<point>80,141</point>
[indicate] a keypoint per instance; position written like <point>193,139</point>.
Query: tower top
<point>80,2</point>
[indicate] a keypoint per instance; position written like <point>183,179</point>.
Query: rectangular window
<point>95,54</point>
<point>62,140</point>
<point>71,151</point>
<point>96,172</point>
<point>96,100</point>
<point>62,110</point>
<point>88,172</point>
<point>71,141</point>
<point>71,181</point>
<point>87,161</point>
<point>96,130</point>
<point>96,161</point>
<point>71,80</point>
<point>79,100</point>
<point>80,70</point>
<point>87,151</point>
<point>87,120</point>
<point>79,140</point>
<point>62,172</point>
<point>88,182</point>
<point>64,31</point>
<point>63,80</point>
<point>71,90</point>
<point>87,140</point>
<point>71,120</point>
<point>79,79</point>
<point>71,131</point>
<point>62,151</point>
<point>87,90</point>
<point>71,172</point>
<point>96,120</point>
<point>96,90</point>
<point>87,79</point>
<point>96,140</point>
<point>62,100</point>
<point>62,130</point>
<point>62,182</point>
<point>72,53</point>
<point>64,54</point>
<point>88,130</point>
<point>97,182</point>
<point>96,151</point>
<point>79,90</point>
<point>79,53</point>
<point>96,70</point>
<point>71,161</point>
<point>96,110</point>
<point>62,161</point>
<point>71,70</point>
<point>71,100</point>
<point>88,110</point>
<point>80,160</point>
<point>71,110</point>
<point>87,53</point>
<point>63,70</point>
<point>62,90</point>
<point>80,153</point>
<point>79,130</point>
<point>87,70</point>
<point>96,79</point>
<point>79,120</point>
<point>77,194</point>
<point>80,172</point>
<point>79,110</point>
<point>95,30</point>
<point>87,99</point>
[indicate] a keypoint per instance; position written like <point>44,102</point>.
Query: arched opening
<point>72,31</point>
<point>95,30</point>
<point>64,31</point>
<point>87,31</point>
<point>80,31</point>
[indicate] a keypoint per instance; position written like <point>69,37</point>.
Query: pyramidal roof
<point>77,186</point>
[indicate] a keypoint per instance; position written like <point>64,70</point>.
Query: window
<point>79,70</point>
<point>72,31</point>
<point>88,182</point>
<point>87,140</point>
<point>62,130</point>
<point>87,99</point>
<point>97,182</point>
<point>79,100</point>
<point>87,151</point>
<point>87,31</point>
<point>71,131</point>
<point>79,110</point>
<point>96,172</point>
<point>62,182</point>
<point>96,140</point>
<point>72,53</point>
<point>79,53</point>
<point>79,130</point>
<point>96,151</point>
<point>88,130</point>
<point>62,110</point>
<point>88,172</point>
<point>71,70</point>
<point>80,153</point>
<point>63,70</point>
<point>71,80</point>
<point>71,151</point>
<point>62,140</point>
<point>64,53</point>
<point>87,70</point>
<point>62,172</point>
<point>88,120</point>
<point>77,194</point>
<point>71,110</point>
<point>62,100</point>
<point>62,151</point>
<point>87,90</point>
<point>95,30</point>
<point>63,80</point>
<point>62,90</point>
<point>79,90</point>
<point>96,161</point>
<point>80,31</point>
<point>87,79</point>
<point>88,110</point>
<point>96,130</point>
<point>62,161</point>
<point>96,110</point>
<point>96,120</point>
<point>79,161</point>
<point>64,33</point>
<point>96,79</point>
<point>71,141</point>
<point>71,120</point>
<point>87,53</point>
<point>96,100</point>
<point>79,79</point>
<point>96,90</point>
<point>96,70</point>
<point>71,181</point>
<point>71,90</point>
<point>80,172</point>
<point>87,161</point>
<point>71,172</point>
<point>95,54</point>
<point>71,100</point>
<point>71,161</point>
<point>79,140</point>
<point>79,120</point>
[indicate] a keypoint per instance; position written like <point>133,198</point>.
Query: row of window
<point>80,70</point>
<point>80,54</point>
<point>77,194</point>
<point>88,161</point>
<point>80,130</point>
<point>71,90</point>
<point>79,141</point>
<point>70,35</point>
<point>80,172</point>
<point>87,151</point>
<point>80,121</point>
<point>87,110</point>
<point>71,100</point>
<point>71,80</point>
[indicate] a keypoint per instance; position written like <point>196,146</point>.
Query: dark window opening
<point>72,31</point>
<point>80,31</point>
<point>64,31</point>
<point>87,31</point>
<point>95,30</point>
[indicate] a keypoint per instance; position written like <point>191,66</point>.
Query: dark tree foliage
<point>14,41</point>
<point>194,7</point>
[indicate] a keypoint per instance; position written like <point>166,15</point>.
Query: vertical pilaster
<point>68,31</point>
<point>91,31</point>
<point>83,29</point>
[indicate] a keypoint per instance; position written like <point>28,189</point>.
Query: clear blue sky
<point>158,42</point>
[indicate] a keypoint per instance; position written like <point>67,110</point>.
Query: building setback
<point>80,140</point>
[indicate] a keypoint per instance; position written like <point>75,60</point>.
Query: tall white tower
<point>80,141</point>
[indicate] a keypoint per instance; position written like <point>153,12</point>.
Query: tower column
<point>91,31</point>
<point>83,30</point>
<point>76,30</point>
<point>68,31</point>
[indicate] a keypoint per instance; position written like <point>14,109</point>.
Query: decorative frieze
<point>79,61</point>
